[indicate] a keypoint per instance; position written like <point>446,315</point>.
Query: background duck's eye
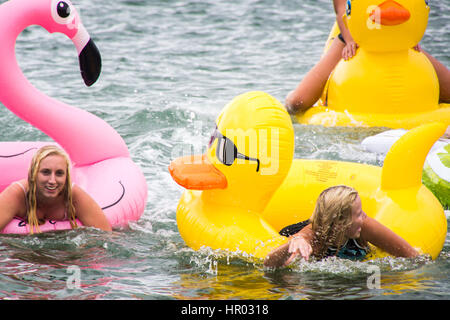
<point>63,9</point>
<point>348,7</point>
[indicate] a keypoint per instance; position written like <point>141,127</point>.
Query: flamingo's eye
<point>63,9</point>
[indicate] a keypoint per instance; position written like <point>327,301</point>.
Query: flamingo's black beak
<point>90,63</point>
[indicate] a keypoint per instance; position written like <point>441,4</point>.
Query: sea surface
<point>169,66</point>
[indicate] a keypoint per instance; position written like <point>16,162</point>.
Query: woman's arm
<point>12,203</point>
<point>385,239</point>
<point>443,74</point>
<point>299,244</point>
<point>88,211</point>
<point>350,45</point>
<point>278,256</point>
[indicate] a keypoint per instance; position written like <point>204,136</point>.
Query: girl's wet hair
<point>332,217</point>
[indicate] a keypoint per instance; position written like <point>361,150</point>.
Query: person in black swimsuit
<point>338,227</point>
<point>351,249</point>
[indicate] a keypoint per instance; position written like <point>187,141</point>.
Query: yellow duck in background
<point>248,185</point>
<point>387,83</point>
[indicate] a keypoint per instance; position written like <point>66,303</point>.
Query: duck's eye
<point>63,9</point>
<point>426,2</point>
<point>348,7</point>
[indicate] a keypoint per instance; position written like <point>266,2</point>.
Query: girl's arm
<point>88,211</point>
<point>385,239</point>
<point>443,74</point>
<point>12,203</point>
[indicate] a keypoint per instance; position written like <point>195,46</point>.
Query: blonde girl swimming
<point>49,194</point>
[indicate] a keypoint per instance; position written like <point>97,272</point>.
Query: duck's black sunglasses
<point>226,150</point>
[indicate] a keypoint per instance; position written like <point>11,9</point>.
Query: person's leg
<point>309,90</point>
<point>443,75</point>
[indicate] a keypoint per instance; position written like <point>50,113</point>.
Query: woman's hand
<point>349,50</point>
<point>298,246</point>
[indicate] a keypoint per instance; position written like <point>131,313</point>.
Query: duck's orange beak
<point>197,173</point>
<point>390,13</point>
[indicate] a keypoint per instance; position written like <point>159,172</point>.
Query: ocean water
<point>169,66</point>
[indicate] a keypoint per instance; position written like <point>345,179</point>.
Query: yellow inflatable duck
<point>248,186</point>
<point>387,83</point>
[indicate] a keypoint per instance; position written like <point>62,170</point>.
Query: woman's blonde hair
<point>331,218</point>
<point>41,154</point>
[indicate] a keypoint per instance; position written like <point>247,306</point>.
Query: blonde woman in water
<point>49,194</point>
<point>337,227</point>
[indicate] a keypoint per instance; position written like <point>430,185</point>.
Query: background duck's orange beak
<point>390,13</point>
<point>197,173</point>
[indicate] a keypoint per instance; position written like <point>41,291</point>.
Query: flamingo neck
<point>86,138</point>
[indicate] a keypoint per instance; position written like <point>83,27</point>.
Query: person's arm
<point>443,74</point>
<point>385,239</point>
<point>88,211</point>
<point>299,244</point>
<point>12,203</point>
<point>278,256</point>
<point>350,45</point>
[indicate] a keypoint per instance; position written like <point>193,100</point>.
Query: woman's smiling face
<point>51,177</point>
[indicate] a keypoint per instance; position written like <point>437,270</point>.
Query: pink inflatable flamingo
<point>101,161</point>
